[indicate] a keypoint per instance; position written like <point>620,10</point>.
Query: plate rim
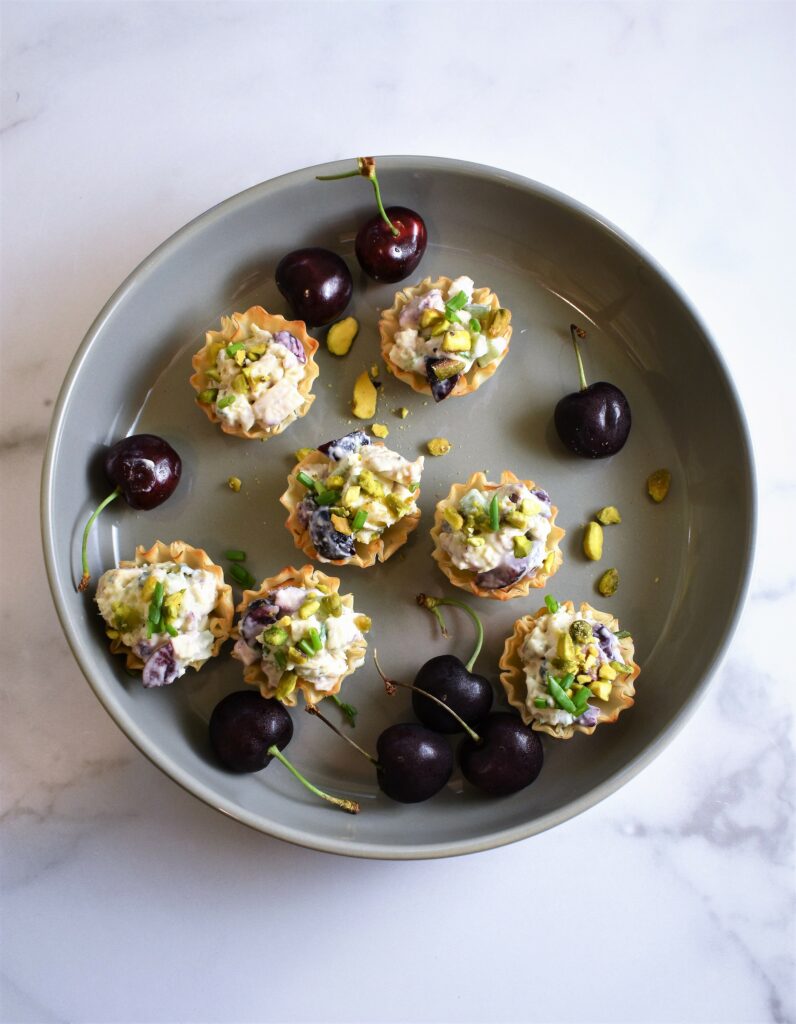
<point>348,847</point>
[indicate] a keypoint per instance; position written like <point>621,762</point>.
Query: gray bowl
<point>684,564</point>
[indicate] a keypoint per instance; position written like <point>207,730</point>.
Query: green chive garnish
<point>306,479</point>
<point>155,604</point>
<point>236,346</point>
<point>171,630</point>
<point>235,556</point>
<point>222,403</point>
<point>552,604</point>
<point>359,520</point>
<point>150,629</point>
<point>475,326</point>
<point>540,702</point>
<point>622,634</point>
<point>581,699</point>
<point>315,640</point>
<point>241,575</point>
<point>454,304</point>
<point>328,497</point>
<point>557,692</point>
<point>280,657</point>
<point>305,646</point>
<point>494,513</point>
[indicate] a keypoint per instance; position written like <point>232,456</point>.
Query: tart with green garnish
<point>298,634</point>
<point>445,337</point>
<point>568,671</point>
<point>254,377</point>
<point>353,501</point>
<point>497,540</point>
<point>167,610</point>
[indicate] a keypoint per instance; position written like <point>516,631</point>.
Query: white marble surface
<point>124,899</point>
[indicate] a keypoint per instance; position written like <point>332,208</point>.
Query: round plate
<point>683,564</point>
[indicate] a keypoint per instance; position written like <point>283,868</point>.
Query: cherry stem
<point>390,684</point>
<point>348,710</point>
<point>350,806</point>
<point>312,710</point>
<point>366,167</point>
<point>84,582</point>
<point>578,332</point>
<point>433,603</point>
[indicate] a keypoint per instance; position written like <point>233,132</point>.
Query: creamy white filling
<point>272,395</point>
<point>498,546</point>
<point>410,349</point>
<point>122,604</point>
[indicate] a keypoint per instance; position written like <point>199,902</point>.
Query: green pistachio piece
<point>608,583</point>
<point>515,518</point>
<point>608,515</point>
<point>275,636</point>
<point>370,485</point>
<point>332,605</point>
<point>580,631</point>
<point>522,546</point>
<point>287,684</point>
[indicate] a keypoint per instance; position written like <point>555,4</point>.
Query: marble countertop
<point>123,898</point>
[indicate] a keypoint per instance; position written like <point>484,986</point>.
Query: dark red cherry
<point>247,731</point>
<point>506,758</point>
<point>145,469</point>
<point>414,763</point>
<point>317,284</point>
<point>595,421</point>
<point>385,255</point>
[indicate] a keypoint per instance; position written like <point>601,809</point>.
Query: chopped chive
<point>241,575</point>
<point>475,326</point>
<point>494,513</point>
<point>222,403</point>
<point>280,657</point>
<point>359,520</point>
<point>622,634</point>
<point>171,630</point>
<point>456,303</point>
<point>155,604</point>
<point>235,556</point>
<point>581,700</point>
<point>306,479</point>
<point>552,604</point>
<point>558,694</point>
<point>315,640</point>
<point>328,497</point>
<point>236,346</point>
<point>305,647</point>
<point>150,629</point>
<point>540,702</point>
<point>413,487</point>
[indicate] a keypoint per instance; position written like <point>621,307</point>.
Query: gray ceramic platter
<point>683,564</point>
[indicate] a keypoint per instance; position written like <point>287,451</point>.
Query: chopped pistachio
<point>658,484</point>
<point>240,356</point>
<point>340,523</point>
<point>256,350</point>
<point>529,506</point>
<point>208,396</point>
<point>284,622</point>
<point>452,517</point>
<point>287,684</point>
<point>341,335</point>
<point>234,484</point>
<point>447,368</point>
<point>363,405</point>
<point>601,689</point>
<point>517,519</point>
<point>379,430</point>
<point>362,623</point>
<point>475,542</point>
<point>351,495</point>
<point>295,655</point>
<point>112,634</point>
<point>212,374</point>
<point>403,412</point>
<point>275,636</point>
<point>239,384</point>
<point>547,564</point>
<point>440,327</point>
<point>565,648</point>
<point>593,542</point>
<point>396,505</point>
<point>624,670</point>
<point>148,588</point>
<point>583,678</point>
<point>334,482</point>
<point>370,484</point>
<point>608,583</point>
<point>309,608</point>
<point>499,321</point>
<point>332,605</point>
<point>302,453</point>
<point>456,341</point>
<point>607,515</point>
<point>580,631</point>
<point>173,603</point>
<point>606,672</point>
<point>438,446</point>
<point>522,546</point>
<point>431,317</point>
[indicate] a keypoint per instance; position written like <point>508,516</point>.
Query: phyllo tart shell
<point>465,579</point>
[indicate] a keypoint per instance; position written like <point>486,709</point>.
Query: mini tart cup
<point>464,579</point>
<point>237,328</point>
<point>379,549</point>
<point>388,325</point>
<point>307,577</point>
<point>512,675</point>
<point>219,621</point>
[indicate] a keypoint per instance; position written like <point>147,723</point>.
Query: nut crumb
<point>438,446</point>
<point>379,430</point>
<point>233,483</point>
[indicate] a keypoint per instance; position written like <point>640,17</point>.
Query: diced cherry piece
<point>439,388</point>
<point>292,344</point>
<point>328,542</point>
<point>504,575</point>
<point>160,668</point>
<point>259,614</point>
<point>346,445</point>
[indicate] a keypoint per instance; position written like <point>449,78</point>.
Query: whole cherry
<point>317,284</point>
<point>593,422</point>
<point>146,470</point>
<point>391,244</point>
